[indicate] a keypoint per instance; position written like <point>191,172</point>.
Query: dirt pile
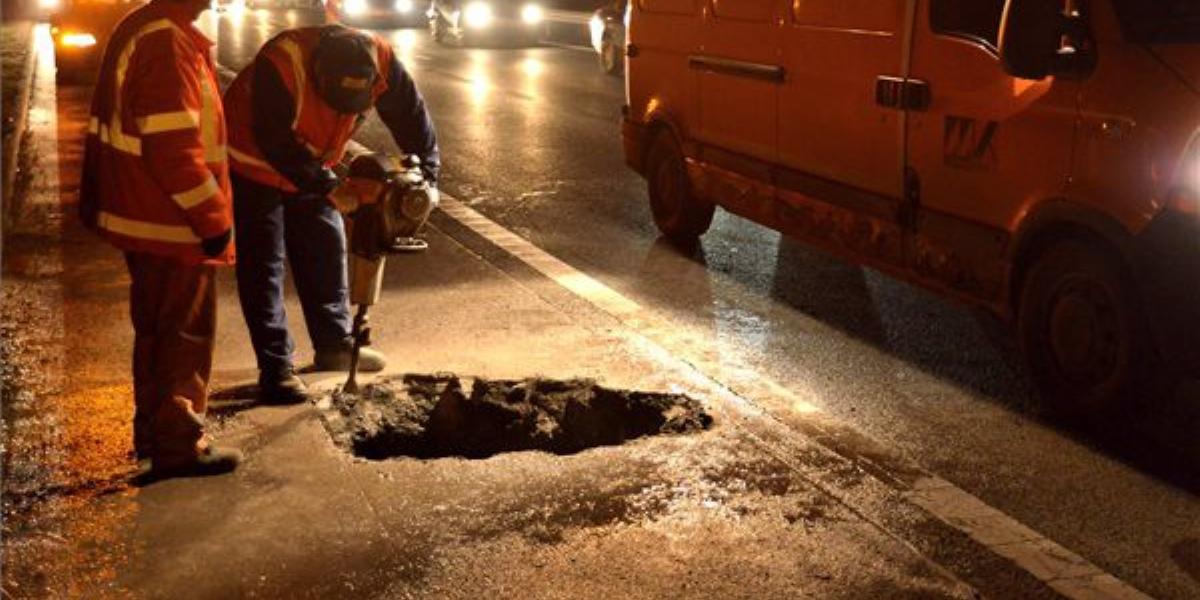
<point>429,416</point>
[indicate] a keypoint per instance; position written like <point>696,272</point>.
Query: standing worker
<point>291,114</point>
<point>156,185</point>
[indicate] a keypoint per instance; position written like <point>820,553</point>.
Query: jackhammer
<point>386,201</point>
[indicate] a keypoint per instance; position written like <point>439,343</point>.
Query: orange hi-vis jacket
<point>321,129</point>
<point>155,175</point>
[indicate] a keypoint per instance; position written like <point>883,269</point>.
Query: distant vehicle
<point>482,22</point>
<point>381,13</point>
<point>80,30</point>
<point>302,4</point>
<point>1037,158</point>
<point>607,28</point>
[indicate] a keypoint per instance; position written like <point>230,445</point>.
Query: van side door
<point>739,76</point>
<point>983,151</point>
<point>837,143</point>
<point>830,123</point>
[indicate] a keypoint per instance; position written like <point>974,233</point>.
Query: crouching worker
<point>291,114</point>
<point>156,185</point>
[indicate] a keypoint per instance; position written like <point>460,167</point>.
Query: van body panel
<point>1133,144</point>
<point>662,87</point>
<point>989,145</point>
<point>738,96</point>
<point>830,125</point>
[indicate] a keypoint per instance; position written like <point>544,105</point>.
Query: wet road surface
<point>530,139</point>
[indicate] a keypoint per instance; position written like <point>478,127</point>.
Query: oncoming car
<point>381,13</point>
<point>473,22</point>
<point>607,28</point>
<point>80,30</point>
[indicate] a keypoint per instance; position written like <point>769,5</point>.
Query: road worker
<point>156,185</point>
<point>291,114</point>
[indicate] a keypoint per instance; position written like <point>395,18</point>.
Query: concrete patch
<point>440,415</point>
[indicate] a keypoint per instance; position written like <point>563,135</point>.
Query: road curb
<point>12,150</point>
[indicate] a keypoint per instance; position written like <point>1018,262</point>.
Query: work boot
<point>369,361</point>
<point>282,390</point>
<point>213,460</point>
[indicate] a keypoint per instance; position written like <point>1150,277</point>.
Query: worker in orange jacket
<point>156,185</point>
<point>291,114</point>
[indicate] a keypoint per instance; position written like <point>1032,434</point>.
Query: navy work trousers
<point>272,225</point>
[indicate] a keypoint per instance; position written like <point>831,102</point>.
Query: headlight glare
<point>478,15</point>
<point>596,29</point>
<point>532,14</point>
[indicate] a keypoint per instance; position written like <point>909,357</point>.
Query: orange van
<point>1040,158</point>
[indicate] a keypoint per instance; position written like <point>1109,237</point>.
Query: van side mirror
<point>1031,37</point>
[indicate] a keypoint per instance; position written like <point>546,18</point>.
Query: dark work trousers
<point>272,225</point>
<point>174,311</point>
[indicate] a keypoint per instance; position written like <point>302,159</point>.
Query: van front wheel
<point>1081,332</point>
<point>679,215</point>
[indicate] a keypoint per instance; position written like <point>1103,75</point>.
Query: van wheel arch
<point>1056,220</point>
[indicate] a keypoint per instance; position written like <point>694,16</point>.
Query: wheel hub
<point>1084,333</point>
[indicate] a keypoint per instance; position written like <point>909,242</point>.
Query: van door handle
<point>737,68</point>
<point>901,93</point>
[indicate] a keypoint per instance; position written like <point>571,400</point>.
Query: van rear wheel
<point>679,215</point>
<point>1080,329</point>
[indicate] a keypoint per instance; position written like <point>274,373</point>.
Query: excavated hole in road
<point>441,415</point>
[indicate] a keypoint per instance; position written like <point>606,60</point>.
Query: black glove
<point>214,246</point>
<point>322,183</point>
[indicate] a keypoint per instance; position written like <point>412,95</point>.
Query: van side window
<point>669,7</point>
<point>976,20</point>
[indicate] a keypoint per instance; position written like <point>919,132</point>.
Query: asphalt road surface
<point>530,138</point>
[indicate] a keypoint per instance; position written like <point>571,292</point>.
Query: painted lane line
<point>1059,568</point>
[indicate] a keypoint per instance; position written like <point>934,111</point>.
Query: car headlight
<point>355,7</point>
<point>78,40</point>
<point>478,14</point>
<point>1185,196</point>
<point>532,14</point>
<point>403,6</point>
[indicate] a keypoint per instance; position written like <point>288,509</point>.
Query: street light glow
<point>478,15</point>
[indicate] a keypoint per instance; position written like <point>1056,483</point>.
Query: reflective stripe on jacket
<point>155,176</point>
<point>321,130</point>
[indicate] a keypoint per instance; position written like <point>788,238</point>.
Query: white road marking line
<point>1062,570</point>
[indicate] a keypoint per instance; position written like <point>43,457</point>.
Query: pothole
<point>441,415</point>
